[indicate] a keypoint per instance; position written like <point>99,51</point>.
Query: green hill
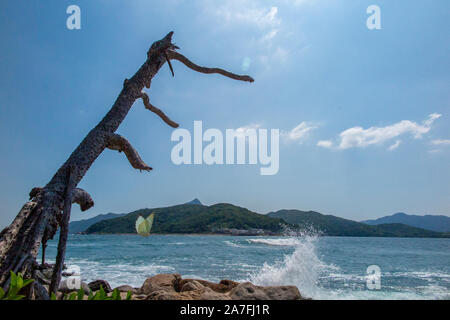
<point>335,226</point>
<point>82,225</point>
<point>197,218</point>
<point>191,218</point>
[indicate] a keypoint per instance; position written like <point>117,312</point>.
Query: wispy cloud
<point>271,40</point>
<point>325,144</point>
<point>298,133</point>
<point>395,145</point>
<point>440,142</point>
<point>358,137</point>
<point>249,13</point>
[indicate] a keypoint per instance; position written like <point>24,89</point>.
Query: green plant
<point>17,283</point>
<point>99,295</point>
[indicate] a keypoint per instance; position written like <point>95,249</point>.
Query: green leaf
<point>129,294</point>
<point>19,282</point>
<point>96,296</point>
<point>13,280</point>
<point>91,295</point>
<point>72,296</point>
<point>80,294</point>
<point>27,282</point>
<point>2,293</point>
<point>102,293</point>
<point>116,295</point>
<point>53,296</point>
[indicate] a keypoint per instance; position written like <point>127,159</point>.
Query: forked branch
<point>119,143</point>
<point>188,63</point>
<point>79,196</point>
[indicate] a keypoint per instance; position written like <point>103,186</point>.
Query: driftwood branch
<point>173,55</point>
<point>82,198</point>
<point>152,108</point>
<point>79,196</point>
<point>64,232</point>
<point>119,143</point>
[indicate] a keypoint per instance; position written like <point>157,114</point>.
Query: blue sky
<point>371,108</point>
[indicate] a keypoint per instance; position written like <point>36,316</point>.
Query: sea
<point>321,267</point>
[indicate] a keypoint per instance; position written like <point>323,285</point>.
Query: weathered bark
<point>63,234</point>
<point>119,143</point>
<point>39,219</point>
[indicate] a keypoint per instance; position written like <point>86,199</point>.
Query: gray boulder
<point>248,291</point>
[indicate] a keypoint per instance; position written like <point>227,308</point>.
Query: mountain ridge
<point>437,223</point>
<point>335,226</point>
<point>223,217</point>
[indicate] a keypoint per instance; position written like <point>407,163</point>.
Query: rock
<point>166,282</point>
<point>125,288</point>
<point>283,293</point>
<point>222,287</point>
<point>209,294</point>
<point>96,284</point>
<point>248,291</point>
<point>192,285</point>
<point>162,295</point>
<point>68,285</point>
<point>198,294</point>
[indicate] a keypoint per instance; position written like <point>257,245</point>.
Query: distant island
<point>195,218</point>
<point>436,223</point>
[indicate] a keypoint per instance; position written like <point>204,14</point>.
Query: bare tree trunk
<point>38,219</point>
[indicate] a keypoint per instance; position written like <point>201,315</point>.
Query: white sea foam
<point>120,273</point>
<point>304,269</point>
<point>232,244</point>
<point>276,242</point>
<point>301,268</point>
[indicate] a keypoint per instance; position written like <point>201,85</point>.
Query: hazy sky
<point>365,114</point>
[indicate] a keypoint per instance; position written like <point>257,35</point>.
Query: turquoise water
<point>321,267</point>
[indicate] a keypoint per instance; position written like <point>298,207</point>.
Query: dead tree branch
<point>188,63</point>
<point>64,233</point>
<point>119,143</point>
<point>152,108</point>
<point>82,198</point>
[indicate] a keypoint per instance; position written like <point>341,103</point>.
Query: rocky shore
<point>174,287</point>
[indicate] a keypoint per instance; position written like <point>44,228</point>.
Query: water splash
<point>301,268</point>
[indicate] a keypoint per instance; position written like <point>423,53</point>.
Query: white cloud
<point>244,129</point>
<point>431,118</point>
<point>395,145</point>
<point>441,142</point>
<point>325,144</point>
<point>299,132</point>
<point>248,12</point>
<point>358,137</point>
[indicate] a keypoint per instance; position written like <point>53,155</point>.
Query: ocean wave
<point>289,242</point>
<point>301,268</point>
<point>233,244</point>
<point>118,273</point>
